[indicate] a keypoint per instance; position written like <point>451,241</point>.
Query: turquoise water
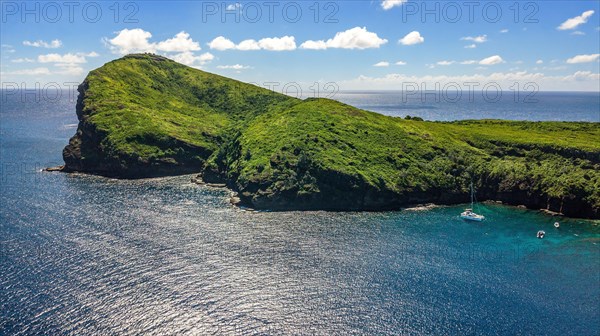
<point>88,255</point>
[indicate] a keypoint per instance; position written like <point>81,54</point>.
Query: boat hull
<point>472,217</point>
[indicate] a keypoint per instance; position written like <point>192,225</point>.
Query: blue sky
<point>379,44</point>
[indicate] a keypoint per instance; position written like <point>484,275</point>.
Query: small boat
<point>468,214</point>
<point>557,225</point>
<point>541,234</point>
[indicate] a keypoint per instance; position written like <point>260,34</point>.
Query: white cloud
<point>400,63</point>
<point>355,38</point>
<point>491,60</point>
<point>179,48</point>
<point>503,31</point>
<point>583,76</point>
<point>29,72</point>
<point>70,70</point>
<point>43,44</point>
<point>23,60</point>
<point>583,59</point>
<point>64,64</point>
<point>234,67</point>
<point>206,57</point>
<point>278,43</point>
<point>188,58</point>
<point>579,81</point>
<point>486,61</point>
<point>471,46</point>
<point>248,45</point>
<point>137,41</point>
<point>573,23</point>
<point>412,38</point>
<point>180,43</point>
<point>43,71</point>
<point>235,6</point>
<point>389,4</point>
<point>556,68</point>
<point>63,59</point>
<point>221,43</point>
<point>314,45</point>
<point>577,32</point>
<point>130,41</point>
<point>539,62</point>
<point>445,62</point>
<point>476,39</point>
<point>270,43</point>
<point>382,64</point>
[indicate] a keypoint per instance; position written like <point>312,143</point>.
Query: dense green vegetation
<point>144,115</point>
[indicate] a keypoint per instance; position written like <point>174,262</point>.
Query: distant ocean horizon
<point>448,106</point>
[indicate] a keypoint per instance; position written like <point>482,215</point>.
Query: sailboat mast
<point>471,194</point>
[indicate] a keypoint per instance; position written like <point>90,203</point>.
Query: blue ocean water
<point>89,255</point>
<point>447,106</point>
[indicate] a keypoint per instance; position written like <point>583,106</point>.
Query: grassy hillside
<point>324,154</point>
<point>152,110</point>
<point>144,115</point>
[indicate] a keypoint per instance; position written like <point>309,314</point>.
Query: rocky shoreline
<point>238,201</point>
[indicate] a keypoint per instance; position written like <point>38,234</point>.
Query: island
<point>144,115</point>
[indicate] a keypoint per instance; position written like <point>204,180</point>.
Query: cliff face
<point>144,116</point>
<point>338,192</point>
<point>90,151</point>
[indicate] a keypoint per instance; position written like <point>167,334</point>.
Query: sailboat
<point>468,214</point>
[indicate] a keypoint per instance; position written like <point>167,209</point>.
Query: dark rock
<point>54,169</point>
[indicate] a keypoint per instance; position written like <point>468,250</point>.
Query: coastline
<point>237,202</point>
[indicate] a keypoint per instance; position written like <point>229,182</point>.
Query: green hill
<point>145,115</point>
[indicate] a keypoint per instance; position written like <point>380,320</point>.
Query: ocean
<point>89,255</point>
<point>448,106</point>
